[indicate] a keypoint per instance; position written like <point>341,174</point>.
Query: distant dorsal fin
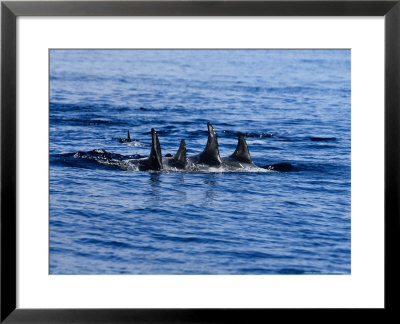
<point>129,136</point>
<point>155,158</point>
<point>180,156</point>
<point>210,155</point>
<point>242,153</point>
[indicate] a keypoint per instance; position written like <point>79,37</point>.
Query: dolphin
<point>208,160</point>
<point>154,161</point>
<point>241,158</point>
<point>179,160</point>
<point>281,167</point>
<point>130,162</point>
<point>124,140</point>
<point>210,155</point>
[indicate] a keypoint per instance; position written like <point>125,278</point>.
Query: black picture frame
<point>10,10</point>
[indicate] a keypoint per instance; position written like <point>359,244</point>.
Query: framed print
<point>188,161</point>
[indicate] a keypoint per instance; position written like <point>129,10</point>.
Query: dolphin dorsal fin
<point>181,154</point>
<point>210,155</point>
<point>155,158</point>
<point>242,153</point>
<point>129,136</point>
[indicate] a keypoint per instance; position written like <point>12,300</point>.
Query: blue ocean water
<point>293,106</point>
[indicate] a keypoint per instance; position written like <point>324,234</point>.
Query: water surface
<point>293,107</point>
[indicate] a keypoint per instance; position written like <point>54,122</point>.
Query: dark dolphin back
<point>210,155</point>
<point>155,158</point>
<point>180,156</point>
<point>242,153</point>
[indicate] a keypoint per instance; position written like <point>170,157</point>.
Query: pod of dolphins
<point>206,160</point>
